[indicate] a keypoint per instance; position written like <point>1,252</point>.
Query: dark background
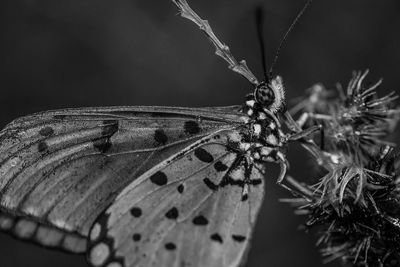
<point>73,53</point>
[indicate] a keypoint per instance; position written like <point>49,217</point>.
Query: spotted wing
<point>197,208</point>
<point>60,169</point>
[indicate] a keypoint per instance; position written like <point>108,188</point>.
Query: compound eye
<point>264,95</point>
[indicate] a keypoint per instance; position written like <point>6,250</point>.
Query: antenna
<point>260,35</point>
<point>286,35</point>
<point>221,49</point>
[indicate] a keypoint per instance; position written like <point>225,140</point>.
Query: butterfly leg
<point>221,49</point>
<point>282,178</point>
<point>284,165</point>
<point>294,187</point>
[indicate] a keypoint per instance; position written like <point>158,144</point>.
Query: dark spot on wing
<point>216,237</point>
<point>170,246</point>
<point>136,237</point>
<point>227,180</point>
<point>172,213</point>
<point>200,220</point>
<point>136,212</point>
<point>110,127</point>
<point>102,144</point>
<point>245,197</point>
<point>160,136</point>
<point>59,117</point>
<point>43,147</point>
<point>220,167</point>
<point>159,178</point>
<point>256,182</point>
<point>191,127</point>
<point>180,188</point>
<point>238,238</point>
<point>203,155</point>
<point>180,154</point>
<point>47,131</point>
<point>210,184</point>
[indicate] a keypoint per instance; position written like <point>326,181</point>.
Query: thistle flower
<point>362,229</point>
<point>355,120</point>
<point>355,205</point>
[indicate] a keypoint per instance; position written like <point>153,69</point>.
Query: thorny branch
<point>221,49</point>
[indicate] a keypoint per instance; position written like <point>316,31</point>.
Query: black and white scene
<point>199,133</point>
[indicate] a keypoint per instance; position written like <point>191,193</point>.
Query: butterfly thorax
<point>263,139</point>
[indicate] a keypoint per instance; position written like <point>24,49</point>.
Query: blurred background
<point>74,53</point>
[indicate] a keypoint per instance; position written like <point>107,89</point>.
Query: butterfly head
<point>267,100</point>
<point>270,95</point>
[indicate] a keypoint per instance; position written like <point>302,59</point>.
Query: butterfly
<point>146,186</point>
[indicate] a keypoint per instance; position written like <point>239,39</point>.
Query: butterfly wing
<point>196,209</point>
<point>60,169</point>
